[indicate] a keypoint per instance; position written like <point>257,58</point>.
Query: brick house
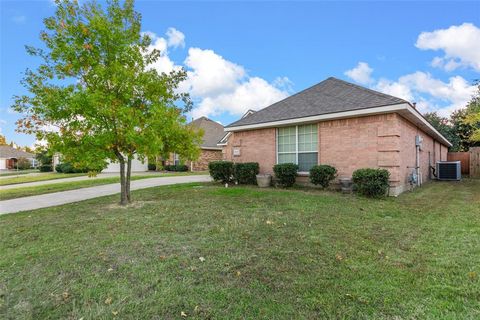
<point>212,133</point>
<point>343,125</point>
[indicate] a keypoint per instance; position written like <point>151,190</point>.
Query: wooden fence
<point>470,161</point>
<point>463,157</point>
<point>475,162</point>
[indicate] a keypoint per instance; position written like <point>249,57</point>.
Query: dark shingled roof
<point>213,132</point>
<point>10,152</point>
<point>329,96</point>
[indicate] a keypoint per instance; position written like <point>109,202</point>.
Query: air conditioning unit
<point>449,170</point>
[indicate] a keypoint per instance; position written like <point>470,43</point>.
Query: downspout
<point>417,163</point>
<point>430,163</point>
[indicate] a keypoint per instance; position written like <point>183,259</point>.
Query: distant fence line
<point>470,161</point>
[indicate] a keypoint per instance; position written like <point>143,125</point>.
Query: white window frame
<point>296,144</point>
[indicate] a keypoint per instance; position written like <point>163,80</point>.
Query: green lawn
<point>246,253</point>
<point>16,173</point>
<point>64,186</point>
<point>39,177</point>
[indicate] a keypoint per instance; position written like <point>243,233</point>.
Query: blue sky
<point>243,55</point>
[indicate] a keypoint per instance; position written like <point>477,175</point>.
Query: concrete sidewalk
<point>59,198</point>
<point>53,181</point>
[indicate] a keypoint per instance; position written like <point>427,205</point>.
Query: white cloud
<point>395,89</point>
<point>175,38</point>
<point>216,84</point>
<point>163,63</point>
<point>222,86</point>
<point>210,74</point>
<point>430,93</point>
<point>461,45</point>
<point>255,93</point>
<point>361,73</point>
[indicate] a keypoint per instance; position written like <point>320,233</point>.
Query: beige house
<point>210,151</point>
<point>10,155</point>
<point>343,125</point>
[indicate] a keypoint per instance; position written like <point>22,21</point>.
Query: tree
<point>462,129</point>
<point>444,126</point>
<point>3,141</point>
<point>473,116</point>
<point>43,156</point>
<point>97,90</point>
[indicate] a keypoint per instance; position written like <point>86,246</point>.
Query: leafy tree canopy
<point>95,96</point>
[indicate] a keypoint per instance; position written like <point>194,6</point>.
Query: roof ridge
<point>293,95</point>
<point>378,93</point>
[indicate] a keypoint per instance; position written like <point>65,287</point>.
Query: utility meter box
<point>418,141</point>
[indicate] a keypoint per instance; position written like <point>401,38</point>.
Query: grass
<point>16,173</point>
<point>38,177</point>
<point>72,185</point>
<point>246,253</point>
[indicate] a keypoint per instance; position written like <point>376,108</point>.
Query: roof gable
<point>213,131</point>
<point>7,151</point>
<point>329,96</point>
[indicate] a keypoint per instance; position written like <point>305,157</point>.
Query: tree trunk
<point>123,182</point>
<point>127,183</point>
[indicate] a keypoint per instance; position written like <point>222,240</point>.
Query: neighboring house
<point>343,125</point>
<point>9,157</point>
<point>210,151</point>
<point>137,165</point>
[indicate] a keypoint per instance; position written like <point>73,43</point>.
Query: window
<point>176,159</point>
<point>298,144</point>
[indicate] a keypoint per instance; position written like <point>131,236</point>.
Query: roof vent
<point>415,105</point>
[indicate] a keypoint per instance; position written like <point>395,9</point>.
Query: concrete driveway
<point>59,198</point>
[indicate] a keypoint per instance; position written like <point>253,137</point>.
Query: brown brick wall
<point>378,141</point>
<point>254,146</point>
<point>206,156</point>
<point>430,148</point>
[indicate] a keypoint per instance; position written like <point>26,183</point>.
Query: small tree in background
<point>98,92</point>
<point>23,164</point>
<point>472,117</point>
<point>3,141</point>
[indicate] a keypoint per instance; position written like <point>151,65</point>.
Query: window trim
<point>296,144</point>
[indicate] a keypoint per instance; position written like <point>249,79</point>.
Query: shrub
<point>23,164</point>
<point>67,167</point>
<point>286,173</point>
<point>371,182</point>
<point>45,168</point>
<point>178,167</point>
<point>152,166</point>
<point>221,171</point>
<point>322,175</point>
<point>246,173</point>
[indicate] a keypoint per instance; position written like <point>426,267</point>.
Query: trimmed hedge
<point>246,173</point>
<point>176,168</point>
<point>45,168</point>
<point>152,166</point>
<point>286,173</point>
<point>221,171</point>
<point>69,168</point>
<point>322,175</point>
<point>371,182</point>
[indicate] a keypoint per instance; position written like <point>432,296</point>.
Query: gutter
<point>405,109</point>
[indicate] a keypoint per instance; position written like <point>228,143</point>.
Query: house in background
<point>210,151</point>
<point>10,155</point>
<point>137,165</point>
<point>340,124</point>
